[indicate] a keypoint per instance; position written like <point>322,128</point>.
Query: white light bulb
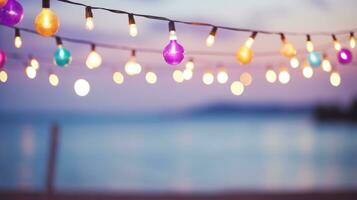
<point>237,88</point>
<point>3,76</point>
<point>308,72</point>
<point>94,60</point>
<point>187,74</point>
<point>294,62</point>
<point>89,23</point>
<point>270,76</point>
<point>53,80</point>
<point>177,75</point>
<point>31,72</point>
<point>222,77</point>
<point>208,78</point>
<point>335,79</point>
<point>81,87</point>
<point>151,77</point>
<point>284,77</point>
<point>118,78</point>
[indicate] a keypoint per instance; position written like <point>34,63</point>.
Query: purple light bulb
<point>173,53</point>
<point>2,59</point>
<point>12,13</point>
<point>344,56</point>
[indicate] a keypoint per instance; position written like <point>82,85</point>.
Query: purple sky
<point>135,95</point>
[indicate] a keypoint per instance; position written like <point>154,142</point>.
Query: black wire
<point>153,17</point>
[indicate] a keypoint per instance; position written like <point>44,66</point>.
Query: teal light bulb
<point>62,57</point>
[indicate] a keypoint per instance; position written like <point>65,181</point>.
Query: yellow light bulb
<point>89,23</point>
<point>3,76</point>
<point>335,79</point>
<point>337,45</point>
<point>208,78</point>
<point>284,77</point>
<point>47,22</point>
<point>30,72</point>
<point>132,67</point>
<point>210,40</point>
<point>352,42</point>
<point>270,76</point>
<point>190,65</point>
<point>133,30</point>
<point>94,60</point>
<point>237,88</point>
<point>244,55</point>
<point>187,74</point>
<point>53,80</point>
<point>326,65</point>
<point>34,63</point>
<point>309,46</point>
<point>151,77</point>
<point>246,79</point>
<point>118,78</point>
<point>177,75</point>
<point>81,87</point>
<point>294,62</point>
<point>288,50</point>
<point>18,42</point>
<point>249,43</point>
<point>308,72</point>
<point>222,77</point>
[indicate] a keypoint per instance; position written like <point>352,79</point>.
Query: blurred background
<point>181,138</point>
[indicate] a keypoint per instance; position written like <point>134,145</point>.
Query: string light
<point>46,22</point>
<point>287,49</point>
<point>11,12</point>
<point>344,56</point>
<point>190,64</point>
<point>211,37</point>
<point>309,44</point>
<point>307,71</point>
<point>2,58</point>
<point>81,87</point>
<point>31,72</point>
<point>94,60</point>
<point>246,79</point>
<point>294,62</point>
<point>53,79</point>
<point>89,18</point>
<point>118,78</point>
<point>187,74</point>
<point>133,30</point>
<point>2,3</point>
<point>34,63</point>
<point>270,76</point>
<point>352,40</point>
<point>3,76</point>
<point>315,59</point>
<point>173,53</point>
<point>222,76</point>
<point>336,43</point>
<point>284,76</point>
<point>151,77</point>
<point>237,88</point>
<point>62,56</point>
<point>335,79</point>
<point>17,40</point>
<point>326,64</point>
<point>132,67</point>
<point>177,75</point>
<point>208,78</point>
<point>245,53</point>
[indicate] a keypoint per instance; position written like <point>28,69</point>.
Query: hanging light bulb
<point>89,18</point>
<point>287,49</point>
<point>211,37</point>
<point>17,40</point>
<point>132,67</point>
<point>3,76</point>
<point>187,74</point>
<point>222,76</point>
<point>2,3</point>
<point>94,60</point>
<point>284,76</point>
<point>33,62</point>
<point>151,77</point>
<point>30,72</point>
<point>190,64</point>
<point>270,76</point>
<point>62,56</point>
<point>246,79</point>
<point>173,53</point>
<point>208,78</point>
<point>46,22</point>
<point>344,56</point>
<point>53,79</point>
<point>245,53</point>
<point>11,12</point>
<point>118,78</point>
<point>326,64</point>
<point>177,75</point>
<point>237,88</point>
<point>307,71</point>
<point>352,40</point>
<point>133,30</point>
<point>2,58</point>
<point>81,87</point>
<point>315,59</point>
<point>335,79</point>
<point>309,44</point>
<point>336,43</point>
<point>294,62</point>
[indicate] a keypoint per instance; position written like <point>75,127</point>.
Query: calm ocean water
<point>250,152</point>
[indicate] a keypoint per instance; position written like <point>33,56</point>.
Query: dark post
<point>51,166</point>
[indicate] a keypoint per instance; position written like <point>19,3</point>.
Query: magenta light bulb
<point>174,52</point>
<point>12,13</point>
<point>344,56</point>
<point>2,58</point>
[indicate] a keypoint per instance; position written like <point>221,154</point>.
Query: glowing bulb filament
<point>89,18</point>
<point>17,40</point>
<point>211,37</point>
<point>309,44</point>
<point>352,41</point>
<point>133,30</point>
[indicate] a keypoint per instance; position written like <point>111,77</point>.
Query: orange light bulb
<point>2,3</point>
<point>244,55</point>
<point>47,22</point>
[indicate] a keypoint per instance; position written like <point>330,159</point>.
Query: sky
<point>19,94</point>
